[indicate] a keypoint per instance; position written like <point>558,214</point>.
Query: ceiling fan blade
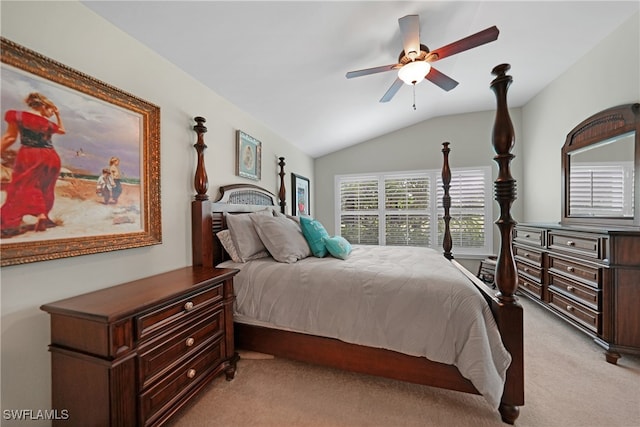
<point>474,40</point>
<point>410,31</point>
<point>392,90</point>
<point>440,79</point>
<point>374,70</point>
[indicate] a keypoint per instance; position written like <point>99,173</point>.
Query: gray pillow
<point>282,238</point>
<point>244,235</point>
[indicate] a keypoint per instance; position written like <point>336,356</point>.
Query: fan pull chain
<point>414,97</point>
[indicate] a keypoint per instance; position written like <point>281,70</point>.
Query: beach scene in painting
<point>95,186</point>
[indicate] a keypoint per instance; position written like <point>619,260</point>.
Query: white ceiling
<point>284,63</point>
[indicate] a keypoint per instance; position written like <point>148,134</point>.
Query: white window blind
<point>359,210</point>
<point>601,189</point>
<point>407,217</point>
<point>469,196</point>
<point>405,209</point>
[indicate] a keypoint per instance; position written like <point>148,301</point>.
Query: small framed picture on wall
<point>248,155</point>
<point>301,195</point>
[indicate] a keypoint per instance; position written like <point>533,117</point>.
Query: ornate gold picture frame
<point>80,163</point>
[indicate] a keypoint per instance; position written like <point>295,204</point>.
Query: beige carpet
<point>568,383</point>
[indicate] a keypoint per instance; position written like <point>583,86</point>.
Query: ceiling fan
<point>414,62</point>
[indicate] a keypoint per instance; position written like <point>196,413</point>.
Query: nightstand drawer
<point>162,353</point>
<point>184,307</point>
<point>583,315</point>
<point>174,386</point>
<point>581,272</point>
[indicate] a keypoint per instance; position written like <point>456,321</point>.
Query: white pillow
<point>229,246</point>
<point>245,238</point>
<point>282,238</point>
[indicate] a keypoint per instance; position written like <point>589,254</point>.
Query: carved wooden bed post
<point>509,314</point>
<point>201,245</point>
<point>447,243</point>
<point>282,194</point>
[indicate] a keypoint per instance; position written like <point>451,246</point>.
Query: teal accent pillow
<point>338,246</point>
<point>314,232</point>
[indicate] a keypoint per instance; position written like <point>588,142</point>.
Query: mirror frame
<point>601,126</point>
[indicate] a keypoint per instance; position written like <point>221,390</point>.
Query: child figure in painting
<point>114,168</point>
<point>31,190</point>
<point>105,186</point>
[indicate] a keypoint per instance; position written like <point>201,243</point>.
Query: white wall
<point>70,33</point>
<point>607,76</point>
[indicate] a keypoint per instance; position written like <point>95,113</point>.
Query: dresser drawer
<point>531,256</point>
<point>581,314</point>
<point>162,353</point>
<point>174,386</point>
<point>583,273</point>
<point>575,290</point>
<point>155,320</point>
<point>530,287</point>
<point>585,245</point>
<point>529,236</point>
<point>534,272</point>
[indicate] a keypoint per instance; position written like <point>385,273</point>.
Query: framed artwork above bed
<point>300,195</point>
<point>248,156</point>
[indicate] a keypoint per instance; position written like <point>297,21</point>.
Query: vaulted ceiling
<point>284,63</point>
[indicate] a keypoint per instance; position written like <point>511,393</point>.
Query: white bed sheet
<point>409,300</point>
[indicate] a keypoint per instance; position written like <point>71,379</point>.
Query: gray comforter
<point>410,300</point>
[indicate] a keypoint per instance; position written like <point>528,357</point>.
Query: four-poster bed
<point>208,219</point>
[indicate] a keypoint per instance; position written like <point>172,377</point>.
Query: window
<point>405,209</point>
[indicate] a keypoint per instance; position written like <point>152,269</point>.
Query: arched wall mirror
<point>600,169</point>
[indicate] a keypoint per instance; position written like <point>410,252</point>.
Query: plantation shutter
<point>407,217</point>
<point>468,191</point>
<point>359,210</point>
<point>405,209</point>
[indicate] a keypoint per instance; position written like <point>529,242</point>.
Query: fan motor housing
<point>404,59</point>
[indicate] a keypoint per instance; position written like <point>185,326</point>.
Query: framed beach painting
<point>300,195</point>
<point>80,162</point>
<point>248,156</point>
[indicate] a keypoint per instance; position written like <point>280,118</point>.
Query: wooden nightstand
<point>135,353</point>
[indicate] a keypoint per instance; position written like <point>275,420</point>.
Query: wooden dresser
<point>587,276</point>
<point>133,354</point>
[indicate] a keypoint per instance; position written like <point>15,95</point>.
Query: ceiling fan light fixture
<point>414,72</point>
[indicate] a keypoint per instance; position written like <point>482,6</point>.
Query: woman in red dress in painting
<point>37,165</point>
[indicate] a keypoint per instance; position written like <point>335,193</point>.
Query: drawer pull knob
<point>191,373</point>
<point>571,269</point>
<point>188,306</point>
<point>569,308</point>
<point>526,270</point>
<point>571,243</point>
<point>571,288</point>
<point>527,235</point>
<point>526,255</point>
<point>189,342</point>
